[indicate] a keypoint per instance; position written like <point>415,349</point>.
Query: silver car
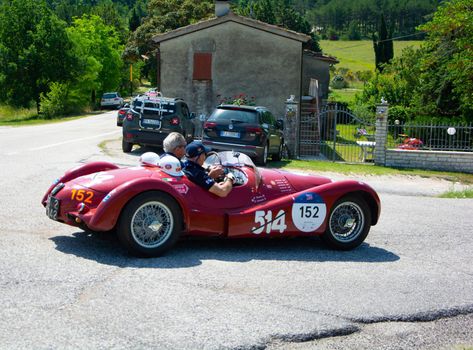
<point>111,100</point>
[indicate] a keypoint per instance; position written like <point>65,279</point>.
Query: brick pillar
<point>381,133</point>
<point>291,127</point>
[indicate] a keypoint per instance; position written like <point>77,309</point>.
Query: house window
<point>202,66</point>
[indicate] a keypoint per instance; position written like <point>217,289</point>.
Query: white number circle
<point>308,212</point>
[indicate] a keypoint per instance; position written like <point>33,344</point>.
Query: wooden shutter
<point>202,66</point>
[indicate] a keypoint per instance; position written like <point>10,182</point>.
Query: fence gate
<point>334,133</point>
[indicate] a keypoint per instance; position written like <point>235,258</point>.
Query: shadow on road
<point>105,249</point>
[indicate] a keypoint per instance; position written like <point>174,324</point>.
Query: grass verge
<point>368,169</point>
<point>458,194</point>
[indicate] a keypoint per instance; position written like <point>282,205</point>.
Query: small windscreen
<point>109,95</point>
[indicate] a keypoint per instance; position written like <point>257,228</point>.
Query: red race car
<point>150,209</point>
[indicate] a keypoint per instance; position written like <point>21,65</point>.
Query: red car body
<point>265,203</point>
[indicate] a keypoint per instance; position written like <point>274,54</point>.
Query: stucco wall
<point>245,60</point>
<point>316,69</point>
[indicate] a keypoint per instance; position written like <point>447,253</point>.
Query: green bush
<point>364,75</point>
<point>54,103</point>
<point>339,82</point>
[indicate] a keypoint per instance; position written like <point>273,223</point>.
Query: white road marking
<point>75,140</point>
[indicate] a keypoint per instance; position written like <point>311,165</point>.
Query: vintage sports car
<point>150,209</point>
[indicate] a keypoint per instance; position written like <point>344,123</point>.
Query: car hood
<point>106,181</point>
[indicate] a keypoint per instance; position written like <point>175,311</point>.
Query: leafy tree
<point>98,47</point>
<point>436,79</point>
<point>447,65</point>
<point>34,51</point>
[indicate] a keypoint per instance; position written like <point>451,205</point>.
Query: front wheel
<point>348,224</point>
<point>150,224</point>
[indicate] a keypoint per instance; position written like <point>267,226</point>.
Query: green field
<point>359,55</point>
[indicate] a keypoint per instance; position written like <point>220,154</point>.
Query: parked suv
<point>150,119</point>
<point>246,129</point>
<point>111,100</point>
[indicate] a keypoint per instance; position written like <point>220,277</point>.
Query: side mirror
<point>280,124</point>
<point>192,115</point>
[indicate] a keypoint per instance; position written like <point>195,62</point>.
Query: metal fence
<point>431,137</point>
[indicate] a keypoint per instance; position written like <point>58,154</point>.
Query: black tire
<point>263,158</point>
<point>278,156</point>
<point>150,224</point>
<point>348,223</point>
<point>126,146</point>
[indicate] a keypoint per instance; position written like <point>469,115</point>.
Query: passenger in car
<point>174,145</point>
<point>196,153</point>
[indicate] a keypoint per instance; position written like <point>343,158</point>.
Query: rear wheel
<point>278,156</point>
<point>150,224</point>
<point>126,146</point>
<point>263,158</point>
<point>348,224</point>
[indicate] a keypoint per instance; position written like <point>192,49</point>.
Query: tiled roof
<point>231,17</point>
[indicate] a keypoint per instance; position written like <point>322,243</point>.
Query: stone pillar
<point>291,127</point>
<point>381,133</point>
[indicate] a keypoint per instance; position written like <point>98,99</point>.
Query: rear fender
<point>106,215</point>
<point>78,171</point>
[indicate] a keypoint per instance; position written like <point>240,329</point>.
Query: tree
<point>383,45</point>
<point>447,65</point>
<point>98,47</point>
<point>35,51</point>
<point>436,80</point>
<point>281,13</point>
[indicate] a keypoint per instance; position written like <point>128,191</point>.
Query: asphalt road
<point>409,286</point>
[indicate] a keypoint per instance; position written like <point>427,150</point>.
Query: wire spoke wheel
<point>152,224</point>
<point>348,224</point>
<point>346,221</point>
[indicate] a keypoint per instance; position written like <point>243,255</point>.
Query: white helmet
<point>149,158</point>
<point>171,166</point>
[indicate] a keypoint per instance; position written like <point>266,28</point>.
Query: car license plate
<point>52,208</point>
<point>230,134</point>
<point>152,122</point>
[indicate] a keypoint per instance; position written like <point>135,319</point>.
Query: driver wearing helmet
<point>196,153</point>
<point>170,165</point>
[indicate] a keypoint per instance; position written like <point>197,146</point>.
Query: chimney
<point>222,8</point>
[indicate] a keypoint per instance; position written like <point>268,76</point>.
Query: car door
<point>269,124</point>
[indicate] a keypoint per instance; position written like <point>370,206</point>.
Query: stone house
<point>230,55</point>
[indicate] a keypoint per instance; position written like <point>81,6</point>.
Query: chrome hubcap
<point>346,221</point>
<point>152,224</point>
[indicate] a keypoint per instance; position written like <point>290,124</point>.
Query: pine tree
<point>383,45</point>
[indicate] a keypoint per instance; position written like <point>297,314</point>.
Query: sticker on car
<point>308,212</point>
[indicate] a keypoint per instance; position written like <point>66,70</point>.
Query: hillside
<point>359,55</point>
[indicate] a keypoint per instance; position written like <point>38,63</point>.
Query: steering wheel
<point>214,159</point>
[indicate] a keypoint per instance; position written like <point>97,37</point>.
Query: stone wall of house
<point>316,69</point>
<point>435,160</point>
<point>244,60</point>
